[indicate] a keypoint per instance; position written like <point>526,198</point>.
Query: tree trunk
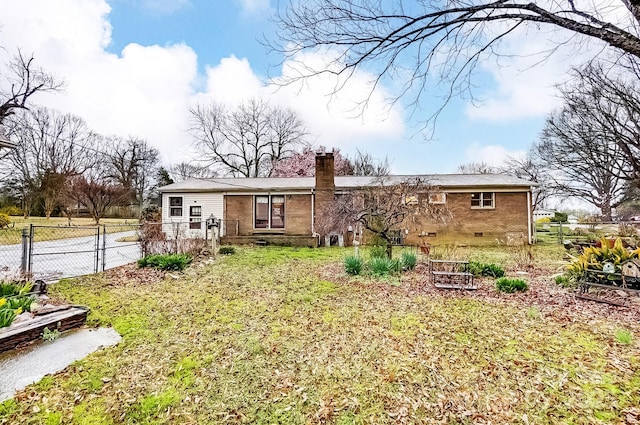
<point>389,248</point>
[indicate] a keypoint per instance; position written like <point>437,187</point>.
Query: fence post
<point>30,254</point>
<point>104,245</point>
<point>25,253</point>
<point>97,250</point>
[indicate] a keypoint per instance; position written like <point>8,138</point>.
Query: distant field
<point>13,234</point>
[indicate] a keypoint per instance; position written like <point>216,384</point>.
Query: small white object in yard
<point>173,276</point>
<point>608,268</point>
<point>621,293</point>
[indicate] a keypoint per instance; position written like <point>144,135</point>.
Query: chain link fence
<point>54,252</point>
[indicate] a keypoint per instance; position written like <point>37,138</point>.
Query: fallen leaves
<point>260,338</point>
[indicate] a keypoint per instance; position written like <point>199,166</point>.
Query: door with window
<point>269,212</point>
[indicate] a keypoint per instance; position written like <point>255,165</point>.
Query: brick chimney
<point>324,190</point>
<point>324,171</point>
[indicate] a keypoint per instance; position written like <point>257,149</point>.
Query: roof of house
<point>244,184</point>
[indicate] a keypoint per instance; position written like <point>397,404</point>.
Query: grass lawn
<point>13,235</point>
<point>284,336</point>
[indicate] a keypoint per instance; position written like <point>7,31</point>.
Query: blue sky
<point>134,67</point>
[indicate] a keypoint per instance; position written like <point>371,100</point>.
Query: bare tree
<point>21,81</point>
<point>445,40</point>
<point>364,164</point>
<point>476,168</point>
<point>50,147</point>
<point>97,193</point>
<point>134,165</point>
<point>604,108</point>
<point>248,140</point>
<point>384,207</point>
<point>587,159</point>
<point>188,170</point>
<point>534,169</point>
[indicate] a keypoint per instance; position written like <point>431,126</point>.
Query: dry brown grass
<point>285,336</point>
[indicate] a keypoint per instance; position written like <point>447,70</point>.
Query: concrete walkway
<point>23,367</point>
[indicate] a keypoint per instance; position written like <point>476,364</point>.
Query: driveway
<point>70,257</point>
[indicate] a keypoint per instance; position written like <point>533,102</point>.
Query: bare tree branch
<point>248,140</point>
<point>421,44</point>
<point>21,82</point>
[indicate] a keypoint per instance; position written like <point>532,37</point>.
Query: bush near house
<point>167,262</point>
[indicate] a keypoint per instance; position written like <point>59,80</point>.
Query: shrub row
<point>380,265</point>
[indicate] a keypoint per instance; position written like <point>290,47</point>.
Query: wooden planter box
<point>62,318</point>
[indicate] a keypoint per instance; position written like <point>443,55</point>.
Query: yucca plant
<point>383,266</point>
<point>505,284</point>
<point>353,264</point>
<point>408,260</point>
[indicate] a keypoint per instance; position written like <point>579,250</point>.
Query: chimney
<point>324,171</point>
<point>324,191</point>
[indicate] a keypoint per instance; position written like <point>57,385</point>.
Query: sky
<point>135,67</point>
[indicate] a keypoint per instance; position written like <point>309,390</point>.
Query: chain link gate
<point>54,252</point>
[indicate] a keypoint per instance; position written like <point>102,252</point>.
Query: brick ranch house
<point>484,208</point>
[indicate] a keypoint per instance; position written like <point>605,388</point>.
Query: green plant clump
<point>624,336</point>
<point>353,265</point>
<point>13,301</point>
<point>508,285</point>
<point>227,250</point>
<point>50,335</point>
<point>565,281</point>
<point>167,262</point>
<point>486,269</point>
<point>383,266</point>
<point>11,289</point>
<point>409,260</point>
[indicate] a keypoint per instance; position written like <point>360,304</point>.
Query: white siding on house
<point>210,203</point>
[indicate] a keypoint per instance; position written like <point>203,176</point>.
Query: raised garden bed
<point>60,318</point>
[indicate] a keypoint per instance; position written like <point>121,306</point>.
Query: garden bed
<point>60,318</point>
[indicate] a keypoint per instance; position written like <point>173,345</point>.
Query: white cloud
<point>494,155</point>
<point>254,6</point>
<point>524,79</point>
<point>146,91</point>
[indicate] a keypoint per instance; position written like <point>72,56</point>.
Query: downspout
<point>529,212</point>
<point>313,207</point>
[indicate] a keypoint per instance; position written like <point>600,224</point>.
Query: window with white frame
<point>175,206</point>
<point>195,217</point>
<point>269,212</point>
<point>483,200</point>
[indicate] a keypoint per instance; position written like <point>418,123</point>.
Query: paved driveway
<point>70,257</point>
